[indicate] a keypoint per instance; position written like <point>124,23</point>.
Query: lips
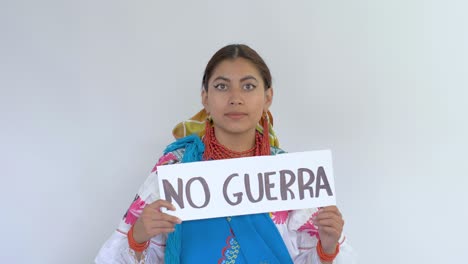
<point>236,115</point>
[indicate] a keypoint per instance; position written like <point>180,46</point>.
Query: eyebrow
<point>248,77</point>
<point>222,78</point>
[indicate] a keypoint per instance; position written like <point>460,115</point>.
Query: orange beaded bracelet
<point>324,256</point>
<point>137,247</point>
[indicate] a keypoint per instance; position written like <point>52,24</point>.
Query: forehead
<point>235,68</point>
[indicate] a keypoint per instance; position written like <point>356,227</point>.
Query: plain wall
<point>90,91</point>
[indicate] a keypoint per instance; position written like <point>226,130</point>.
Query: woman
<point>235,122</point>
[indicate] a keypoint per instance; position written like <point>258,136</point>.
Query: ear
<point>204,97</point>
<point>268,99</point>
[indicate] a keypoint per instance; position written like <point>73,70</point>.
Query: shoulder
<point>171,157</point>
<point>177,154</point>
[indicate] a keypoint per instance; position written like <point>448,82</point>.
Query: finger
<point>164,230</point>
<point>328,212</point>
<point>162,224</point>
<point>328,219</point>
<point>158,227</point>
<point>330,209</point>
<point>150,216</point>
<point>329,223</point>
<point>325,216</point>
<point>162,203</point>
<point>167,218</point>
<point>331,232</point>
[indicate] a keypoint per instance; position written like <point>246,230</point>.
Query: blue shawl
<point>238,239</point>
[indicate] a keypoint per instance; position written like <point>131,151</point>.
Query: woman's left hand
<point>330,225</point>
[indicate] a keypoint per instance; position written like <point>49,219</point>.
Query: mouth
<point>235,115</point>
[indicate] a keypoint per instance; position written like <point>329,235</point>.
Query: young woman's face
<point>236,97</point>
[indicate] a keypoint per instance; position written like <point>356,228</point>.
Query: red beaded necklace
<point>215,151</point>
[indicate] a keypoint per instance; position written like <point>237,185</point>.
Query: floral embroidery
<point>166,159</point>
<point>230,251</point>
<point>134,211</point>
<point>309,226</point>
<point>280,217</point>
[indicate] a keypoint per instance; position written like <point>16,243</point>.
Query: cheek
<point>260,102</point>
<point>258,109</point>
<point>214,106</point>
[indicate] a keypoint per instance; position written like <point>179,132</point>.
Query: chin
<point>235,130</point>
<point>239,131</point>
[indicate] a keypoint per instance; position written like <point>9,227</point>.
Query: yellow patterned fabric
<point>196,125</point>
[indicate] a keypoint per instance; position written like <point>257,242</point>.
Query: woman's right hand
<point>153,222</point>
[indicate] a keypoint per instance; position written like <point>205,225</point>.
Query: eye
<point>249,86</point>
<point>220,86</point>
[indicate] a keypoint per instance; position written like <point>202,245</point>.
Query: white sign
<point>251,185</point>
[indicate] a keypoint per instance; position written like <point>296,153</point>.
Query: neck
<point>236,142</point>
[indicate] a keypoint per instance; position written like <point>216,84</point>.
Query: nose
<point>235,97</point>
<point>235,102</point>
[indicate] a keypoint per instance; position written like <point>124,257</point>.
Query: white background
<point>90,91</point>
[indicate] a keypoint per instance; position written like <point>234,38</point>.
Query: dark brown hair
<point>237,51</point>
